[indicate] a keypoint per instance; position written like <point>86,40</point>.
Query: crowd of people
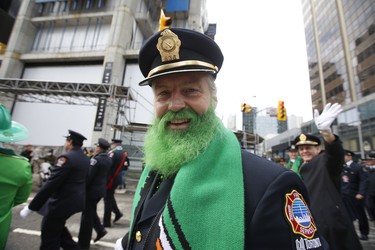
<point>199,189</point>
<point>74,182</point>
<point>340,187</point>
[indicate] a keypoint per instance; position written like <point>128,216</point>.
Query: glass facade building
<point>340,43</point>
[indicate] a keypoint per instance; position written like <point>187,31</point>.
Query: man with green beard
<point>199,190</point>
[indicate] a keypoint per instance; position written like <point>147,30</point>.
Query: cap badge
<point>302,137</point>
<point>168,46</point>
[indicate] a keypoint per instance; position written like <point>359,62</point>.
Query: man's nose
<point>176,103</point>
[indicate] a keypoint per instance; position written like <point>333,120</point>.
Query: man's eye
<point>163,93</point>
<point>191,90</point>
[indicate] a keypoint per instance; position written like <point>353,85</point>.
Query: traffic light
<point>281,111</point>
<point>245,107</point>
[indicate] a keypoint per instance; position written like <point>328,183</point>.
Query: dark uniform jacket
<point>322,177</point>
<point>266,224</point>
<point>116,155</point>
<point>371,181</point>
<point>356,178</point>
<point>97,178</point>
<point>65,189</point>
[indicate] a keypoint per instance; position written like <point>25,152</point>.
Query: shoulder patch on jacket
<point>301,221</point>
<point>93,161</point>
<point>61,161</point>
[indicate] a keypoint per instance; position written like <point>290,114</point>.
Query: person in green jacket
<point>15,177</point>
<point>294,163</point>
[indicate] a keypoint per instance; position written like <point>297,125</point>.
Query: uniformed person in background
<point>64,192</point>
<point>118,157</point>
<point>100,164</point>
<point>294,162</point>
<point>15,174</point>
<point>199,190</point>
<point>369,163</point>
<point>321,173</point>
<point>353,191</point>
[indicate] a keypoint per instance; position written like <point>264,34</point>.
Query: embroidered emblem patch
<point>93,161</point>
<point>298,214</point>
<point>61,161</point>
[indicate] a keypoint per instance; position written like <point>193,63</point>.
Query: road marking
<point>26,231</point>
<point>37,233</point>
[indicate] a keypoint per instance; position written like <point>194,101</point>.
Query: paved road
<point>25,233</point>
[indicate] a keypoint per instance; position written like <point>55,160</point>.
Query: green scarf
<point>205,209</point>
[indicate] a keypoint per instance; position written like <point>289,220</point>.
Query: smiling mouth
<point>178,124</point>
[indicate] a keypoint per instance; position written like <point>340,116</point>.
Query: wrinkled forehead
<point>181,80</point>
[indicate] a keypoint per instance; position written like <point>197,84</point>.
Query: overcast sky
<point>264,49</point>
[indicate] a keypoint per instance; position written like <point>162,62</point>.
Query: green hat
<point>11,131</point>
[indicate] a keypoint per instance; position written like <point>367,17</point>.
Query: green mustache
<point>188,114</point>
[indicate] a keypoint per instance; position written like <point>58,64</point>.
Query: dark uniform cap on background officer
<point>104,144</point>
<point>175,50</point>
<point>370,156</point>
<point>292,148</point>
<point>116,141</point>
<point>306,139</point>
<point>349,153</point>
<point>75,136</point>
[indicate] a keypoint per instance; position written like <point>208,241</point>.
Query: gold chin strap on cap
<point>182,64</point>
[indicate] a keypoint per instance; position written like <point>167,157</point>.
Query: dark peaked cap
<point>306,139</point>
<point>370,156</point>
<point>116,141</point>
<point>175,50</point>
<point>349,153</point>
<point>75,136</point>
<point>102,143</point>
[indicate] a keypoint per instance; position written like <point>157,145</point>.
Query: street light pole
<point>255,131</point>
<point>255,126</point>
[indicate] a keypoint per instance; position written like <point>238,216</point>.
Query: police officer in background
<point>96,189</point>
<point>321,173</point>
<point>353,191</point>
<point>114,179</point>
<point>64,192</point>
<point>294,162</point>
<point>369,163</point>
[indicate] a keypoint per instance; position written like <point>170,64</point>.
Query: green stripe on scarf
<point>208,197</point>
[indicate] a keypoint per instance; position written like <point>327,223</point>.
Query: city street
<point>25,233</point>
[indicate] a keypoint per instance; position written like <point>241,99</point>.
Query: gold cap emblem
<point>302,137</point>
<point>168,46</point>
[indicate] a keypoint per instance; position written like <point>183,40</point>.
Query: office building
<point>340,42</point>
<point>72,64</point>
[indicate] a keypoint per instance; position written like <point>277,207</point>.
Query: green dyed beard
<point>167,150</point>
